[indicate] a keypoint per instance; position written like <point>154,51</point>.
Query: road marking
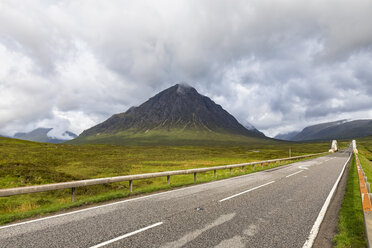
<point>315,229</point>
<point>304,168</point>
<point>126,235</point>
<point>195,233</point>
<point>249,190</point>
<point>295,173</point>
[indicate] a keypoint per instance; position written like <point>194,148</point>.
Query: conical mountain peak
<point>183,88</point>
<point>177,108</point>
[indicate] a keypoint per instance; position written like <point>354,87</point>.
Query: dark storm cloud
<point>280,65</point>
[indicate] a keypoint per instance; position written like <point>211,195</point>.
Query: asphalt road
<point>276,208</point>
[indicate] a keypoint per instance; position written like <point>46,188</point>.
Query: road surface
<point>274,208</point>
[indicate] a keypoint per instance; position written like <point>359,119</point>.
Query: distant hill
<point>41,135</point>
<point>286,136</point>
<point>342,129</point>
<point>178,114</point>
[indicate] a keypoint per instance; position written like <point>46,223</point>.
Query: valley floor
<point>25,163</point>
<point>275,208</point>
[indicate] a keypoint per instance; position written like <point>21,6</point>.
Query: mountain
<point>178,113</point>
<point>71,134</point>
<point>41,135</point>
<point>250,127</point>
<point>342,129</point>
<point>286,136</point>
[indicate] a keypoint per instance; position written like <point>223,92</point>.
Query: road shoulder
<point>328,228</point>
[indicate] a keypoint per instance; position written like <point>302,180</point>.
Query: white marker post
<point>354,146</point>
<point>334,146</point>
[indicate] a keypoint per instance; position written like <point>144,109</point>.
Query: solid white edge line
<point>128,200</point>
<point>227,198</point>
<point>294,173</point>
<point>126,235</point>
<point>315,229</point>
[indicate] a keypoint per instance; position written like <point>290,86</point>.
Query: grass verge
<point>351,231</point>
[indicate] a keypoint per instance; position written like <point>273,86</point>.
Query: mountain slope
<point>252,128</point>
<point>342,129</point>
<point>286,136</point>
<point>41,135</point>
<point>178,112</point>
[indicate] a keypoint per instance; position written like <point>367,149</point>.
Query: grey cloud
<point>276,64</point>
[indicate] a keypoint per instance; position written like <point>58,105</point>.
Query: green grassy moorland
<point>24,163</point>
<point>174,136</point>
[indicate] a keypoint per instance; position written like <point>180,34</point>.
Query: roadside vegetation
<point>350,224</point>
<point>24,163</point>
<point>351,231</point>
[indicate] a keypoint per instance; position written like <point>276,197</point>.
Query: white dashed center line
<point>249,190</point>
<point>126,235</point>
<point>295,173</point>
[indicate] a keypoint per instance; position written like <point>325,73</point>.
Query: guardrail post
<point>243,169</point>
<point>168,180</point>
<point>230,170</point>
<point>194,176</point>
<point>262,165</point>
<point>215,173</point>
<point>72,194</point>
<point>130,186</point>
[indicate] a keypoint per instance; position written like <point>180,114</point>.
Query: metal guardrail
<point>365,195</point>
<point>82,183</point>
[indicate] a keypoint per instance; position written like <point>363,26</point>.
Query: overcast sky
<point>280,65</point>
